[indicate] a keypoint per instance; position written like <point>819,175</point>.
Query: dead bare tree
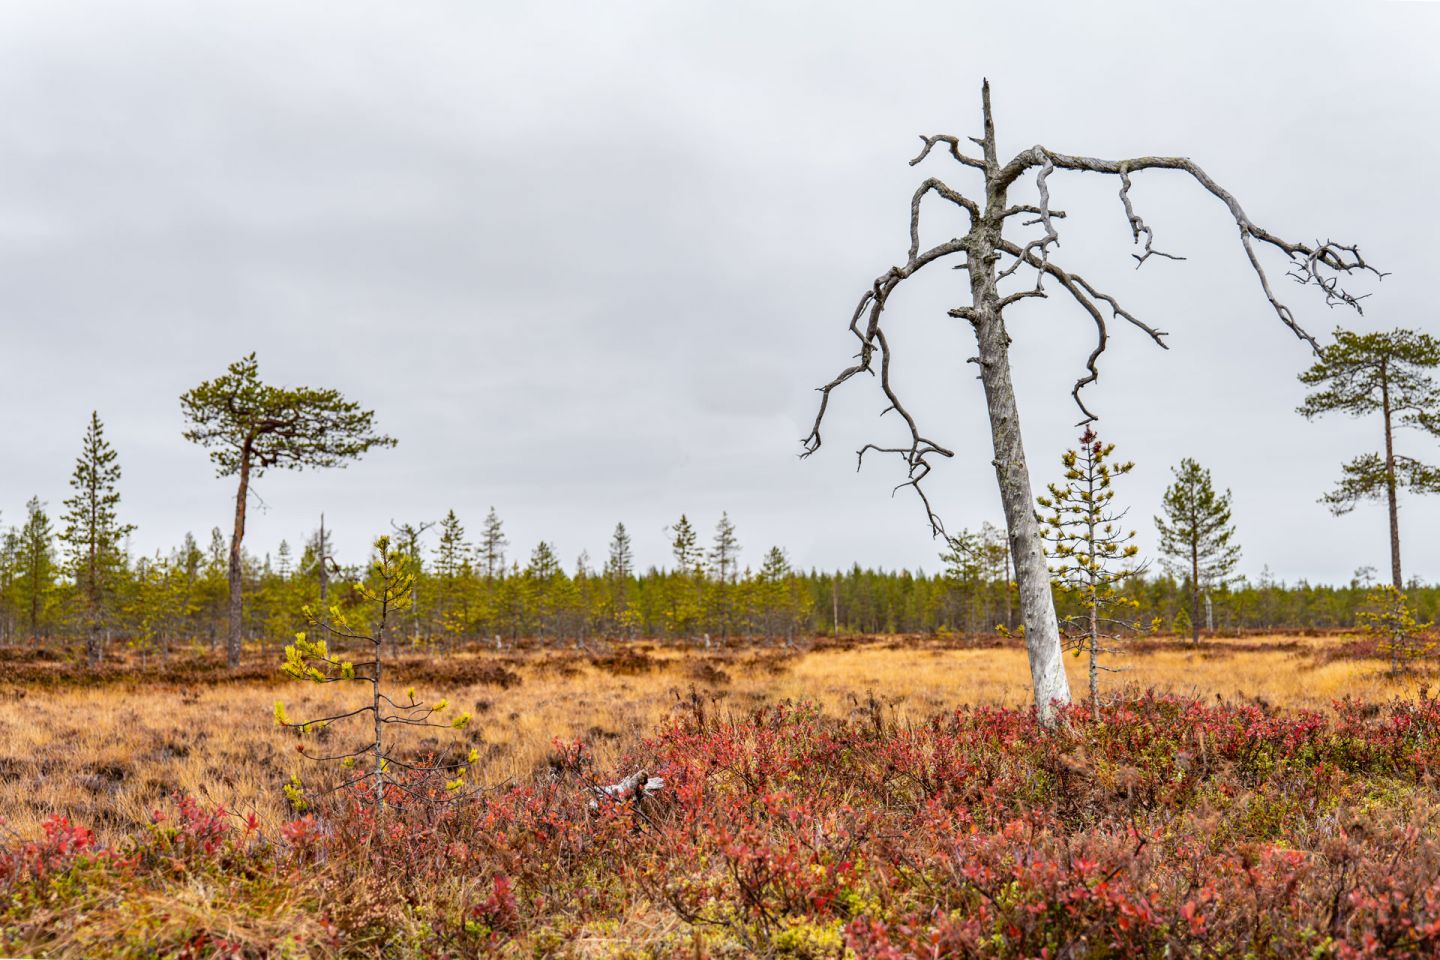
<point>989,258</point>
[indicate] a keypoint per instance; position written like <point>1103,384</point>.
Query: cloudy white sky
<point>588,261</point>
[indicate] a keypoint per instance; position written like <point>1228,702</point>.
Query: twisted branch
<point>872,341</point>
<point>1084,294</point>
<point>1309,263</point>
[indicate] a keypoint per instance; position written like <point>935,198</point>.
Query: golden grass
<point>106,755</point>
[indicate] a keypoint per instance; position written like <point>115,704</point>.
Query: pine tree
<point>492,546</point>
<point>35,569</point>
<point>451,570</point>
<point>1389,619</point>
<point>686,546</point>
<point>407,537</point>
<point>214,585</point>
<point>1196,535</point>
<point>619,568</point>
<point>387,588</point>
<point>977,562</point>
<point>451,552</point>
<point>544,575</point>
<point>1092,555</point>
<point>724,559</point>
<point>621,562</point>
<point>544,563</point>
<point>780,607</point>
<point>189,562</point>
<point>250,426</point>
<point>725,552</point>
<point>93,534</point>
<point>1384,373</point>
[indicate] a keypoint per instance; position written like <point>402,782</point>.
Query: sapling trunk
<point>378,642</point>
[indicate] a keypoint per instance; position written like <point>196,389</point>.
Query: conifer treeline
<point>475,591</point>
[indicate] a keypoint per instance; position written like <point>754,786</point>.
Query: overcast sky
<point>589,261</point>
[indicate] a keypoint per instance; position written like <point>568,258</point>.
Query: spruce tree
<point>1196,535</point>
<point>1092,555</point>
<point>92,533</point>
<point>250,426</point>
<point>1384,373</point>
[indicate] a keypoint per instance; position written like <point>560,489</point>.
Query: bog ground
<point>105,749</point>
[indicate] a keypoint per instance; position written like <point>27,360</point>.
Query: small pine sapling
<point>1390,621</point>
<point>1091,555</point>
<point>389,592</point>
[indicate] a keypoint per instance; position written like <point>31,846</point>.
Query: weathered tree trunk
<point>1037,603</point>
<point>232,635</point>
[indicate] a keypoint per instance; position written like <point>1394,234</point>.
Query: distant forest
<point>470,592</point>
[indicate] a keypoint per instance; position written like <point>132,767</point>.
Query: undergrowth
<point>1168,827</point>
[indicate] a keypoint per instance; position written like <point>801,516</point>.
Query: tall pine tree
<point>1363,374</point>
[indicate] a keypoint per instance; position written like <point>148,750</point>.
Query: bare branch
<point>1309,263</point>
<point>872,340</point>
<point>954,144</point>
<point>1138,226</point>
<point>1031,209</point>
<point>1085,295</point>
<point>1051,237</point>
<point>938,186</point>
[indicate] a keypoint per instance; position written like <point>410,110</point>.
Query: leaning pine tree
<point>1092,556</point>
<point>989,259</point>
<point>250,426</point>
<point>1196,535</point>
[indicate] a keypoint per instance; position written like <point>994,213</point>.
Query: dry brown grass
<point>105,754</point>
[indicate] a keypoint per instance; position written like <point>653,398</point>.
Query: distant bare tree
<point>989,258</point>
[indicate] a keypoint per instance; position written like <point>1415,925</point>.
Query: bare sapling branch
<point>390,591</point>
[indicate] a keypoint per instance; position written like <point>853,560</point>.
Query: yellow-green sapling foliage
<point>1391,622</point>
<point>388,592</point>
<point>1091,555</point>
